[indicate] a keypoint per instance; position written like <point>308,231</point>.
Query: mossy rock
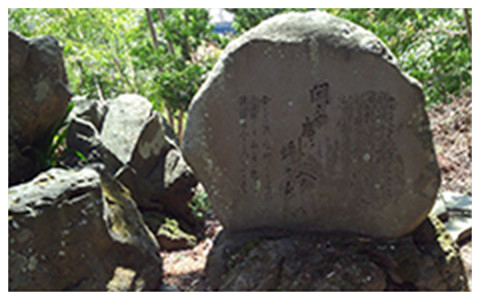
<point>261,260</point>
<point>170,233</point>
<point>122,213</point>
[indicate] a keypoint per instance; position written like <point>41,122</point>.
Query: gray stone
<point>134,144</point>
<point>275,260</point>
<point>459,203</point>
<point>89,110</point>
<point>20,166</point>
<point>17,53</point>
<point>306,122</point>
<point>38,96</point>
<point>455,210</point>
<point>76,230</point>
<point>123,124</point>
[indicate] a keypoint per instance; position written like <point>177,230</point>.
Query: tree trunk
<point>469,26</point>
<point>171,120</point>
<point>180,127</point>
<point>171,50</point>
<point>155,45</point>
<point>152,28</point>
<point>99,90</point>
<point>161,15</point>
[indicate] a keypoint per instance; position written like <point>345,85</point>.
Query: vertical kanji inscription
<point>255,144</point>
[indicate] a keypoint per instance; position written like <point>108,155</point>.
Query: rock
<point>92,111</point>
<point>75,230</point>
<point>307,122</point>
<point>466,255</point>
<point>456,202</point>
<point>123,125</point>
<point>172,237</point>
<point>169,131</point>
<point>131,139</point>
<point>455,211</point>
<point>460,228</point>
<point>267,260</point>
<point>19,166</point>
<point>18,48</point>
<point>38,96</point>
<point>170,234</point>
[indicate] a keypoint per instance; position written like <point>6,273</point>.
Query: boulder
<point>38,96</point>
<point>306,122</point>
<point>276,260</point>
<point>137,149</point>
<point>77,230</point>
<point>455,211</point>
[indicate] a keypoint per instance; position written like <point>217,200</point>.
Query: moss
<point>124,216</point>
<point>171,236</point>
<point>125,221</point>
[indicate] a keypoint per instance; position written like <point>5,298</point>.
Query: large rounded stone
<point>38,97</point>
<point>307,122</point>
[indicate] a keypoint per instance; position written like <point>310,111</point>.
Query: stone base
<point>265,260</point>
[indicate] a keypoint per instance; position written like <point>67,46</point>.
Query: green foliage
<point>179,82</point>
<point>200,204</point>
<point>430,44</point>
<point>96,45</point>
<point>49,151</point>
<point>185,30</point>
<point>246,18</point>
<point>108,52</point>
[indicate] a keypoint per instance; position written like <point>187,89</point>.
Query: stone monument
<point>307,122</point>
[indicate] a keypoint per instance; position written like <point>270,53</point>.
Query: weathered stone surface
<point>38,96</point>
<point>307,122</point>
<point>137,149</point>
<point>455,211</point>
<point>75,230</point>
<point>92,111</point>
<point>426,260</point>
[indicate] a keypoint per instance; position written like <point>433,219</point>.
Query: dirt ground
<point>452,135</point>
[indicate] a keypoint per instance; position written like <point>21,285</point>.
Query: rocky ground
<point>451,125</point>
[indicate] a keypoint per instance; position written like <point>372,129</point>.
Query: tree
<point>108,52</point>
<point>96,45</point>
<point>430,44</point>
<point>112,51</point>
<point>181,72</point>
<point>246,18</point>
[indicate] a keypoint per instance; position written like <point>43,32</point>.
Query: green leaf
<point>79,154</point>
